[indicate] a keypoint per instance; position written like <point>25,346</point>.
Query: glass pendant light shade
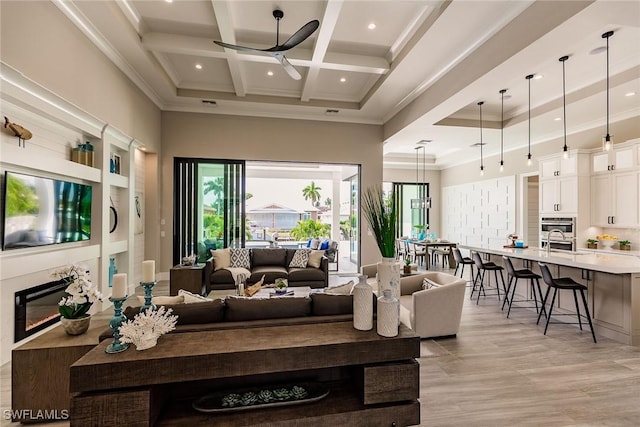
<point>481,157</point>
<point>421,202</point>
<point>607,140</point>
<point>529,77</point>
<point>565,148</point>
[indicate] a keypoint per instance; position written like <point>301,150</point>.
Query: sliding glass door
<point>209,212</point>
<point>410,221</point>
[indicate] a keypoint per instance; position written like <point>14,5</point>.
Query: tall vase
<point>389,276</point>
<point>388,309</point>
<point>363,305</point>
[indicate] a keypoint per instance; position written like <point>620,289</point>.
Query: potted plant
<point>407,266</point>
<point>625,245</point>
<point>281,286</point>
<point>82,294</point>
<point>380,213</point>
<point>592,244</point>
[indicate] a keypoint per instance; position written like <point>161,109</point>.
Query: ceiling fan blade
<point>299,36</point>
<point>240,48</point>
<point>290,69</point>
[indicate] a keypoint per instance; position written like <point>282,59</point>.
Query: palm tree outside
<point>312,192</point>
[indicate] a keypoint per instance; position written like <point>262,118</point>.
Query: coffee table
<point>299,291</point>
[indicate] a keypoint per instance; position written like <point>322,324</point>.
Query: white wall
<point>480,213</point>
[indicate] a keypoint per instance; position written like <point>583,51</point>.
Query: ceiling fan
<point>279,50</point>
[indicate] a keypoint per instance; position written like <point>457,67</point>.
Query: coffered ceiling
<point>417,67</point>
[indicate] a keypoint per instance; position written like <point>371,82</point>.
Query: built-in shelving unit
<point>57,127</point>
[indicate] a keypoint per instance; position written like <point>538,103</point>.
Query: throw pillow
<point>314,243</point>
<point>309,243</point>
<point>324,245</point>
<point>428,284</point>
<point>341,289</point>
<point>315,259</point>
<point>240,258</point>
<point>221,258</point>
<point>300,259</point>
<point>163,300</point>
<point>190,298</point>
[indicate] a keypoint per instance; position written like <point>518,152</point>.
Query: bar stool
<point>524,273</point>
<point>462,261</point>
<point>563,283</point>
<point>482,268</point>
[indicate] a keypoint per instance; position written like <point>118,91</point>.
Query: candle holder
<point>116,346</point>
<point>148,286</point>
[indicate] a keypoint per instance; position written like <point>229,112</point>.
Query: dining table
<point>436,244</point>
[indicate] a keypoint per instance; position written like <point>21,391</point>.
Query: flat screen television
<point>42,211</point>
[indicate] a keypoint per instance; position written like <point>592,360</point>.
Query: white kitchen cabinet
<point>614,199</point>
<point>560,192</point>
<point>619,158</point>
<point>559,196</point>
<point>558,166</point>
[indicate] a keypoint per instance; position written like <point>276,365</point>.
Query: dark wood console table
<point>370,377</point>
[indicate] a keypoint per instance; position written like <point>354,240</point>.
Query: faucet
<point>553,230</point>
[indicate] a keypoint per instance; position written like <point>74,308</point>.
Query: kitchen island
<point>613,283</point>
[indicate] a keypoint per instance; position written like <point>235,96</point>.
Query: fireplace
<point>37,308</point>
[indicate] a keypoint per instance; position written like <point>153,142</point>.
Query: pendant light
<point>606,141</point>
<point>481,159</point>
<point>502,91</point>
<point>529,77</point>
<point>565,149</point>
<point>419,201</point>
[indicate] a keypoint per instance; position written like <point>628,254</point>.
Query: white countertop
<point>596,260</point>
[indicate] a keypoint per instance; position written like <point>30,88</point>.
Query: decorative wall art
<point>139,211</point>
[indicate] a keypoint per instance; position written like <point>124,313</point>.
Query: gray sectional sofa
<point>273,263</point>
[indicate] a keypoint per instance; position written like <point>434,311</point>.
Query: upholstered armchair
<point>433,312</point>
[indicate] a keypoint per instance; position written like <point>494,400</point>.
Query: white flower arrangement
<point>82,293</point>
<point>147,326</point>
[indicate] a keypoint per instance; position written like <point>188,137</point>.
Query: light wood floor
<point>504,372</point>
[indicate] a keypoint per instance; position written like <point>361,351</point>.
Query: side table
<point>187,277</point>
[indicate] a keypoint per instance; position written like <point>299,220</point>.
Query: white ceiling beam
<point>329,21</point>
<point>225,26</point>
<point>198,46</point>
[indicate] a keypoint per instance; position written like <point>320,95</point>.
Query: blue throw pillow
<point>309,243</point>
<point>324,245</point>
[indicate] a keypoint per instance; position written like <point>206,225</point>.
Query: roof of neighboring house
<point>277,208</point>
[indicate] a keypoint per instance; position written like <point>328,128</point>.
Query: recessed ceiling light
<point>342,79</point>
<point>169,1</point>
<point>557,119</point>
<point>371,26</point>
<point>331,112</point>
<point>598,50</point>
<point>423,141</point>
<point>629,94</point>
<point>269,73</point>
<point>199,66</point>
<point>210,102</point>
<point>537,77</point>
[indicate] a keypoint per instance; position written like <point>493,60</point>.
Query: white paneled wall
<point>480,213</point>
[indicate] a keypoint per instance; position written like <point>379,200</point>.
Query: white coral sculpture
<point>147,326</point>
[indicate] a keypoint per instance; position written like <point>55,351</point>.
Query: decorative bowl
<point>607,243</point>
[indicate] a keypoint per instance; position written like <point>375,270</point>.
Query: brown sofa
<point>234,313</point>
<point>273,264</point>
